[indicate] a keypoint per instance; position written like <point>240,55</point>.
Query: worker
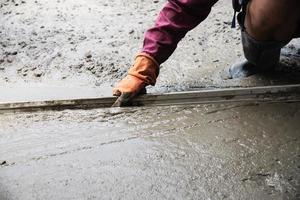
<point>266,27</point>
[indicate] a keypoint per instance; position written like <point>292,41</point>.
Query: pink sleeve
<point>174,21</point>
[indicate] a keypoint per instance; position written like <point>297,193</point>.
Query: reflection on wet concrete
<point>240,151</point>
<point>41,92</point>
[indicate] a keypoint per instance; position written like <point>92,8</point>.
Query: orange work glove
<point>144,72</point>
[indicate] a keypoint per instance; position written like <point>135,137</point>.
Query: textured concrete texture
<point>241,151</point>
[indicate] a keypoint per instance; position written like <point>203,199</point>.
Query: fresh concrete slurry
<point>223,151</point>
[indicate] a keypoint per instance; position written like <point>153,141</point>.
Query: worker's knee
<point>272,20</point>
<point>261,27</point>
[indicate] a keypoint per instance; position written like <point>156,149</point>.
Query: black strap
<point>243,14</point>
<point>233,23</point>
<point>241,9</point>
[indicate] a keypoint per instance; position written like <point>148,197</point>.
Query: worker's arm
<point>174,21</point>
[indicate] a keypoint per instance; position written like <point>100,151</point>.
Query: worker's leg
<point>270,25</point>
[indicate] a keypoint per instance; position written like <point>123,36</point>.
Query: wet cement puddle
<point>42,92</point>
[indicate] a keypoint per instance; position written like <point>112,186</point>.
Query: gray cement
<point>66,48</point>
<point>202,152</point>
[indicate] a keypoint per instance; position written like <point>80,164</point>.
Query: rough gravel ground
<point>92,43</point>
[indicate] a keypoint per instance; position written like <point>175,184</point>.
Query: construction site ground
<point>79,49</point>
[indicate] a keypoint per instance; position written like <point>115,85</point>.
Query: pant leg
<point>297,33</point>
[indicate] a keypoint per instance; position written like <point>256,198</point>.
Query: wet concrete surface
<point>222,151</point>
<point>70,49</point>
<point>42,92</point>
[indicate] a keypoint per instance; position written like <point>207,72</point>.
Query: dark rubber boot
<point>261,56</point>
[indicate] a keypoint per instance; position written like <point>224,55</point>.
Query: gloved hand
<point>144,72</point>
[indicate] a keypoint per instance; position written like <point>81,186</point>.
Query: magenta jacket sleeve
<point>174,21</point>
